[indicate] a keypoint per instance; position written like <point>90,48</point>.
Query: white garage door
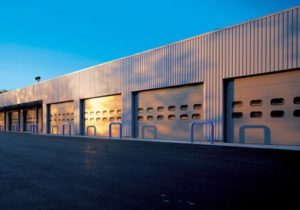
<point>264,109</point>
<point>29,119</point>
<point>62,118</point>
<point>167,113</point>
<point>100,112</point>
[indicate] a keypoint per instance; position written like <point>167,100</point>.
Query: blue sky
<point>52,38</point>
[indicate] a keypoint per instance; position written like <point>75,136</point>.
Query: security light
<point>38,78</point>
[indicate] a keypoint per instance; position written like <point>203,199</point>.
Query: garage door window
<point>257,102</point>
<point>184,117</point>
<point>237,115</point>
<point>256,114</point>
<point>150,109</point>
<point>196,116</point>
<point>160,109</point>
<point>277,101</point>
<point>297,113</point>
<point>277,114</point>
<point>297,100</point>
<point>172,117</point>
<point>184,107</point>
<point>172,108</point>
<point>160,117</point>
<point>150,118</point>
<point>197,106</point>
<point>237,104</point>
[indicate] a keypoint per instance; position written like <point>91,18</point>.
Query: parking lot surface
<point>48,172</point>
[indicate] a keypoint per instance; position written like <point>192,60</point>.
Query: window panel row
<point>259,102</point>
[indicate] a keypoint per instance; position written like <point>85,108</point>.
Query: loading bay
<point>50,172</point>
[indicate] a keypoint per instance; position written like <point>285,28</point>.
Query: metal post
<point>120,130</point>
<point>15,127</point>
<point>266,129</point>
<point>34,128</point>
<point>91,126</point>
<point>63,126</point>
<point>54,126</point>
<point>212,133</point>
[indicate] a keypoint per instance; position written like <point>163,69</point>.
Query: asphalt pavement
<point>49,172</point>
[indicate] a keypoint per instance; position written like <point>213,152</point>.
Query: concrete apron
<point>217,143</point>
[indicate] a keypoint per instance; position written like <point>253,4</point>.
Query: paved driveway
<point>44,172</point>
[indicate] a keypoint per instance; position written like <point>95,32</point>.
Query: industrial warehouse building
<point>245,79</point>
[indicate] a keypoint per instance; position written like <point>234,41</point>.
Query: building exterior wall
<point>264,45</point>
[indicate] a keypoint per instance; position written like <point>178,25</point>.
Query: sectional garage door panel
<point>264,109</point>
<point>100,112</point>
<point>167,113</point>
<point>61,116</point>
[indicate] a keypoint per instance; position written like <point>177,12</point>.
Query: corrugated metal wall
<point>263,45</point>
